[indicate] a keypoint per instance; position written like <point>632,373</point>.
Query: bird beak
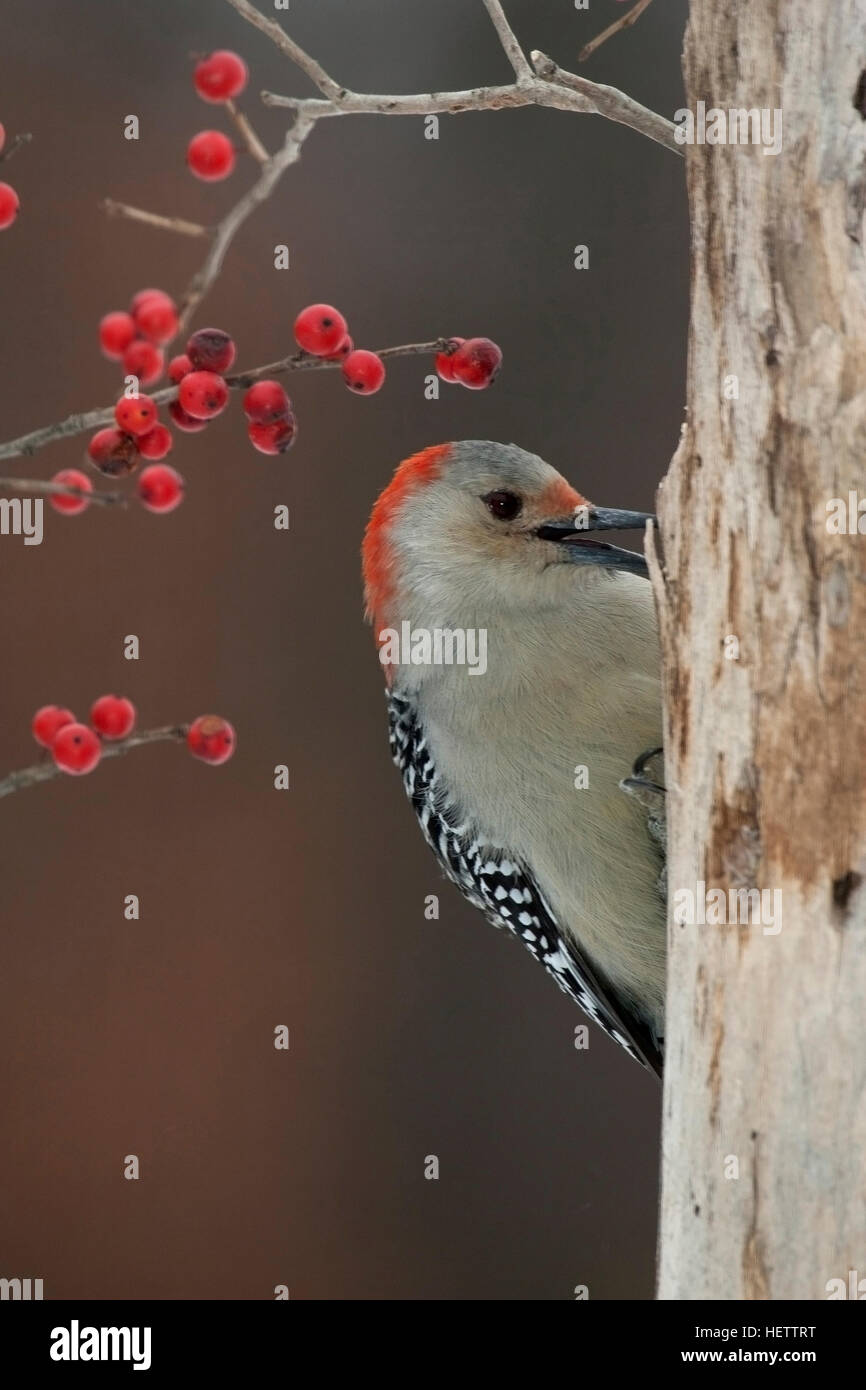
<point>580,548</point>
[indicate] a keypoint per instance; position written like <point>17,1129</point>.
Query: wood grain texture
<point>766,1033</point>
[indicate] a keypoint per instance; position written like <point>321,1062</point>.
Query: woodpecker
<point>517,767</point>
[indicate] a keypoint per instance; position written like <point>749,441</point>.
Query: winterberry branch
<point>552,87</point>
<point>608,102</point>
<point>155,219</point>
<point>292,50</point>
<point>624,22</point>
<point>46,771</point>
<point>85,421</point>
<point>104,499</point>
<point>508,39</point>
<point>305,361</point>
<point>226,230</point>
<point>247,134</point>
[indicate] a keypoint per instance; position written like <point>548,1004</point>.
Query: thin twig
<point>304,361</point>
<point>28,444</point>
<point>15,144</point>
<point>609,102</point>
<point>422,103</point>
<point>508,39</point>
<point>46,771</point>
<point>624,22</point>
<point>247,134</point>
<point>104,499</point>
<point>154,219</point>
<point>292,50</point>
<point>226,230</point>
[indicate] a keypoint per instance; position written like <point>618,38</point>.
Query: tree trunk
<point>765,1085</point>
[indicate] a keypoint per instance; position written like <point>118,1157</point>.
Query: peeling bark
<point>766,751</point>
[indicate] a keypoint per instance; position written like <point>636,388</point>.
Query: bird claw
<point>640,784</point>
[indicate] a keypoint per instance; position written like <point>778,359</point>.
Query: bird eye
<point>505,506</point>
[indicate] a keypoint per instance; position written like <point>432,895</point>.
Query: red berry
<point>113,453</point>
<point>113,716</point>
<point>211,350</point>
<point>9,205</point>
<point>156,443</point>
<point>135,414</point>
<point>65,502</point>
<point>116,332</point>
<point>265,402</point>
<point>203,395</point>
<point>476,363</point>
<point>211,738</point>
<point>221,76</point>
<point>277,437</point>
<point>210,155</point>
<point>320,329</point>
<point>156,317</point>
<point>444,360</point>
<point>141,295</point>
<point>342,352</point>
<point>183,421</point>
<point>144,360</point>
<point>160,488</point>
<point>363,372</point>
<point>48,721</point>
<point>178,367</point>
<point>76,749</point>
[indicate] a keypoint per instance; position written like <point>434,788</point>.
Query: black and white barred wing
<point>505,891</point>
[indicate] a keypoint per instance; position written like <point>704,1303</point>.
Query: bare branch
<point>105,499</point>
<point>625,22</point>
<point>154,219</point>
<point>278,35</point>
<point>304,361</point>
<point>78,423</point>
<point>610,102</point>
<point>226,230</point>
<point>552,87</point>
<point>420,104</point>
<point>28,444</point>
<point>548,86</point>
<point>508,39</point>
<point>247,134</point>
<point>46,771</point>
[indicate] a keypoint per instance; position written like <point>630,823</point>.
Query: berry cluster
<point>77,748</point>
<point>137,338</point>
<point>9,202</point>
<point>473,362</point>
<point>321,330</point>
<point>220,77</point>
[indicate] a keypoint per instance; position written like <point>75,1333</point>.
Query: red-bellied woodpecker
<point>522,663</point>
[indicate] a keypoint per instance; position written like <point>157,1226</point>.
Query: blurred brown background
<point>305,907</point>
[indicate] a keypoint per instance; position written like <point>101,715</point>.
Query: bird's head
<point>469,528</point>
